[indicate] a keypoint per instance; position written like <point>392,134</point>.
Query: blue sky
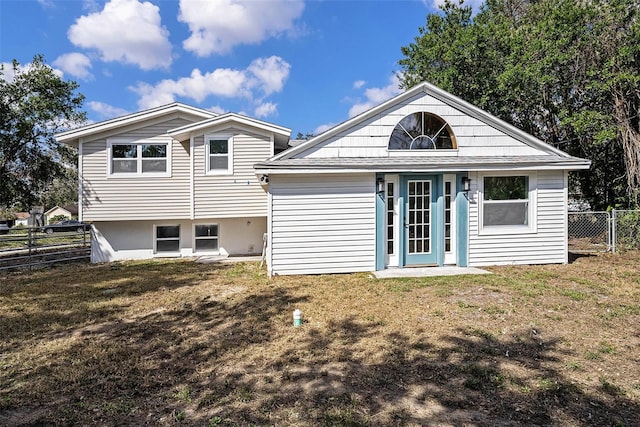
<point>305,65</point>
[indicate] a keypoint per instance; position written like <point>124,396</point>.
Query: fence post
<point>609,233</point>
<point>613,231</point>
<point>29,244</point>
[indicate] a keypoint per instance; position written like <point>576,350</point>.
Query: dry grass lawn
<point>175,342</point>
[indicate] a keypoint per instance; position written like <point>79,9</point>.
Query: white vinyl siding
<point>371,139</point>
<point>239,194</point>
<point>322,225</point>
<point>546,245</point>
<point>136,197</point>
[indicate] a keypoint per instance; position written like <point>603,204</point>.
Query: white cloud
<point>125,31</point>
<point>262,77</point>
<point>265,110</point>
<point>323,128</point>
<point>217,109</point>
<point>76,64</point>
<point>375,96</point>
<point>358,84</point>
<point>218,25</point>
<point>8,73</point>
<point>105,110</point>
<point>271,73</point>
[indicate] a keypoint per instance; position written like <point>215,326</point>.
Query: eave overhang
<point>408,165</point>
<point>73,137</point>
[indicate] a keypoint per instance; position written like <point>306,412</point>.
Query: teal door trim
<point>380,226</point>
<point>462,223</point>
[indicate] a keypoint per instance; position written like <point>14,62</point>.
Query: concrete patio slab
<point>427,272</point>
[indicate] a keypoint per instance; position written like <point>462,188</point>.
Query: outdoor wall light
<point>380,185</point>
<point>466,184</point>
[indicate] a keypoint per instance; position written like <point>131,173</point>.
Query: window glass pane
<point>206,230</point>
<point>206,244</point>
<point>506,213</point>
<point>506,187</point>
<point>167,245</point>
<point>154,150</point>
<point>421,130</point>
<point>124,151</point>
<point>218,162</point>
<point>167,231</point>
<point>150,165</point>
<point>124,166</point>
<point>218,146</point>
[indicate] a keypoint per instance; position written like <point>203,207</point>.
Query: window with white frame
<point>219,152</point>
<point>167,238</point>
<point>506,201</point>
<point>206,237</point>
<point>131,158</point>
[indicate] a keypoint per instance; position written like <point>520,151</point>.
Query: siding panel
<point>322,227</point>
<point>371,139</point>
<point>105,198</point>
<point>239,194</point>
<point>546,245</point>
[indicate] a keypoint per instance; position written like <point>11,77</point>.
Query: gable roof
<point>441,95</point>
<point>281,134</point>
<point>72,137</point>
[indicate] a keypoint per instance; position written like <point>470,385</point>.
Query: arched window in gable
<point>422,131</point>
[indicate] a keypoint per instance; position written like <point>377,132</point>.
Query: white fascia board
<point>444,169</point>
<point>69,137</point>
<point>230,118</point>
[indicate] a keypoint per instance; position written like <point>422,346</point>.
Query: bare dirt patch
<point>176,342</point>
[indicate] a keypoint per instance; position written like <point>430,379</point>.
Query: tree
<point>35,104</point>
<point>565,71</point>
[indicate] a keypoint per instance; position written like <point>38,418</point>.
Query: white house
<point>60,211</point>
<point>174,181</point>
<point>422,179</point>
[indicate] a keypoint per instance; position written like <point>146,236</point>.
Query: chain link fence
<point>589,231</point>
<point>625,229</point>
<point>615,230</point>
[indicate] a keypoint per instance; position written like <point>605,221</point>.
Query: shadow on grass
<point>75,296</point>
<point>238,361</point>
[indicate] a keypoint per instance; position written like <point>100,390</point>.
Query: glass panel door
<point>419,224</point>
<point>423,227</point>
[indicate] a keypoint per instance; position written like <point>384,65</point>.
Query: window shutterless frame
<point>218,151</point>
<point>206,238</point>
<point>508,203</point>
<point>127,158</point>
<point>166,239</point>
